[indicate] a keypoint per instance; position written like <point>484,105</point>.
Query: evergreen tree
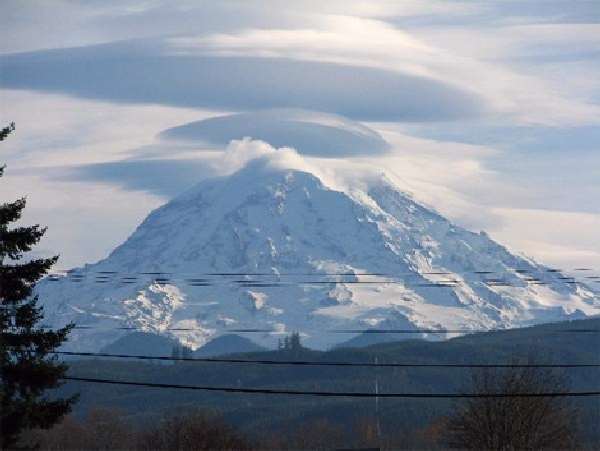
<point>295,344</point>
<point>291,343</point>
<point>186,353</point>
<point>27,370</point>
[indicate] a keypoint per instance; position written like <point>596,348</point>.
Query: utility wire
<point>444,279</point>
<point>332,394</point>
<point>275,284</point>
<point>77,273</point>
<point>325,363</point>
<point>341,331</point>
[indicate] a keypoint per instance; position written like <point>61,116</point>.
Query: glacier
<point>271,249</point>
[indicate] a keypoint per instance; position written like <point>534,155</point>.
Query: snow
<point>287,227</point>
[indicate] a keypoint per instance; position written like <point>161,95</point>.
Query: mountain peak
<point>304,257</point>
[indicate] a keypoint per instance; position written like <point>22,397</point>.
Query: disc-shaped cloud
<point>310,133</point>
<point>151,71</point>
<point>162,177</point>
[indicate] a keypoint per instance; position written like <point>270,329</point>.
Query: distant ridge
<point>142,343</point>
<point>228,344</point>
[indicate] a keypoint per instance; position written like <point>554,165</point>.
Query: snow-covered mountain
<point>274,249</point>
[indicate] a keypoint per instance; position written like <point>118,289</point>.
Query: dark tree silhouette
<point>291,343</point>
<point>107,429</point>
<point>194,431</point>
<point>27,370</point>
<point>295,344</point>
<point>179,351</point>
<point>5,131</point>
<point>512,423</point>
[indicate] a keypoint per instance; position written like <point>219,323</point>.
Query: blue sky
<point>488,111</point>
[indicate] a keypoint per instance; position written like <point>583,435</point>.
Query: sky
<point>487,111</point>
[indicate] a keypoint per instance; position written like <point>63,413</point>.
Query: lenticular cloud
<point>151,71</point>
<point>310,133</point>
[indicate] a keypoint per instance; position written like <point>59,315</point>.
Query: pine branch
<point>11,212</point>
<point>16,241</point>
<point>16,281</point>
<point>4,132</point>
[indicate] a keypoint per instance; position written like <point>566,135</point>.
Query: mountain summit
<point>275,250</point>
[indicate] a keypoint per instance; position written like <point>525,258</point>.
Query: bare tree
<point>511,423</point>
<point>195,430</point>
<point>101,429</point>
<point>104,429</point>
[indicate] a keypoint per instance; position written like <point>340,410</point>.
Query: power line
<point>204,276</point>
<point>277,284</point>
<point>333,394</point>
<point>523,278</point>
<point>337,331</point>
<point>101,279</point>
<point>448,331</point>
<point>253,284</point>
<point>77,272</point>
<point>172,329</point>
<point>325,363</point>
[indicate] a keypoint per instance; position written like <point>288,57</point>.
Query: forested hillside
<point>573,342</point>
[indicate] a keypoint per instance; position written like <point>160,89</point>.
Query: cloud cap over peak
<point>310,133</point>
